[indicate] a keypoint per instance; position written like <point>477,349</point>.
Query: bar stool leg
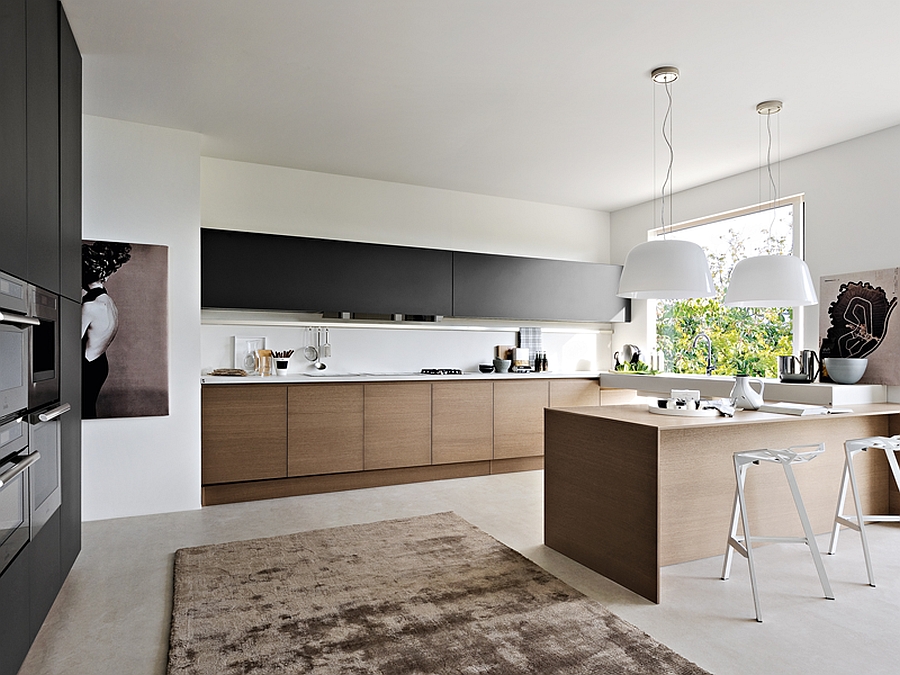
<point>745,548</point>
<point>807,529</point>
<point>860,518</point>
<point>842,497</point>
<point>732,536</point>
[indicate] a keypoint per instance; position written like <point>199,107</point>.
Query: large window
<point>743,340</point>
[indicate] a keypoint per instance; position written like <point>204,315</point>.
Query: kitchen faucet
<point>709,357</point>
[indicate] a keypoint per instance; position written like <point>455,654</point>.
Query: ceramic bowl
<point>502,365</point>
<point>845,371</point>
<point>486,367</point>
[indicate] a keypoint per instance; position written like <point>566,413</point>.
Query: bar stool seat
<point>858,522</point>
<point>786,457</point>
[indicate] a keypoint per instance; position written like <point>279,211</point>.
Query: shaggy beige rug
<point>431,594</point>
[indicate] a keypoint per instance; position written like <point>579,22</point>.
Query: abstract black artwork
<point>854,321</point>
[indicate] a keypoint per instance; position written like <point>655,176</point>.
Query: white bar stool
<point>857,522</point>
<point>744,545</point>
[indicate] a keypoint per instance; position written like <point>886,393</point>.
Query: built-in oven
<point>15,329</point>
<point>15,488</point>
<point>43,348</point>
<point>45,473</point>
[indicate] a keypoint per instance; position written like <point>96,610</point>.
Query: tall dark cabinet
<point>42,142</point>
<point>12,138</point>
<point>40,241</point>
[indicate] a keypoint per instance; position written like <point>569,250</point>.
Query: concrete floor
<point>112,615</point>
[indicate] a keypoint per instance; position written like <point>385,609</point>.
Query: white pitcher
<point>744,395</point>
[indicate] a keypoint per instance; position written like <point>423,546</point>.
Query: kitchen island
<point>627,491</point>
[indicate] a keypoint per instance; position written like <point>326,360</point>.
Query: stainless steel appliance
<point>15,506</point>
<point>14,345</point>
<point>45,474</point>
<point>43,348</point>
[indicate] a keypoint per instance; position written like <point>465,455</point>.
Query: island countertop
<point>627,491</point>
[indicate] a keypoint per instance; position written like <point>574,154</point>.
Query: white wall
<point>258,198</point>
<point>142,185</point>
<point>851,215</point>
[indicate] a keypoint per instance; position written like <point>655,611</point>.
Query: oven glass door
<point>13,369</point>
<point>14,513</point>
<point>44,350</point>
<point>45,473</point>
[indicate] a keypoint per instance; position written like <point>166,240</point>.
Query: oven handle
<point>20,466</point>
<point>53,413</point>
<point>19,319</point>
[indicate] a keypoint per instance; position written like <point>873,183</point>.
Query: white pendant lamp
<point>770,280</point>
<point>666,269</point>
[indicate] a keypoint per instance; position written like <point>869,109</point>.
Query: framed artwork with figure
<point>124,330</point>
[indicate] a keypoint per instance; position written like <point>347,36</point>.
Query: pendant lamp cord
<point>773,187</point>
<point>668,180</point>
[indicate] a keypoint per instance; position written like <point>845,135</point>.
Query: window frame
<point>798,249</point>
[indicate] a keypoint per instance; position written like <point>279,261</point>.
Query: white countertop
<point>719,386</point>
<point>304,378</point>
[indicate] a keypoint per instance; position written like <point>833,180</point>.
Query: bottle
<point>544,365</point>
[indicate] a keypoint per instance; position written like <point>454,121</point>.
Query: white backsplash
<point>403,349</point>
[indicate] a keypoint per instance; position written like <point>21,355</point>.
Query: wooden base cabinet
<point>462,422</point>
<point>519,418</point>
<point>244,433</point>
<point>266,440</point>
<point>398,424</point>
<point>325,429</point>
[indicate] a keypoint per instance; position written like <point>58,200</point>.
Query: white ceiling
<point>541,100</point>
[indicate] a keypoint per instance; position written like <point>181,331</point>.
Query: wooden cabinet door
<point>617,396</point>
<point>462,422</point>
<point>519,418</point>
<point>398,424</point>
<point>325,429</point>
<point>244,433</point>
<point>574,393</point>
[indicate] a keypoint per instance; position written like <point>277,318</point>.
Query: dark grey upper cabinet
<point>69,162</point>
<point>13,233</point>
<point>507,287</point>
<point>42,138</point>
<point>274,272</point>
<point>247,270</point>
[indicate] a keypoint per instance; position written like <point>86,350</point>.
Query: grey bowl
<point>845,371</point>
<point>502,365</point>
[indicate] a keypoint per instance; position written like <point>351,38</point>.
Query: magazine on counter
<point>801,409</point>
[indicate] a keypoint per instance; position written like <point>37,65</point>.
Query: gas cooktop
<point>441,371</point>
